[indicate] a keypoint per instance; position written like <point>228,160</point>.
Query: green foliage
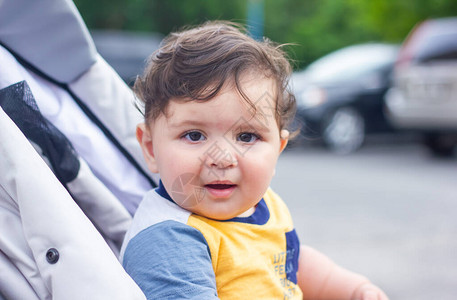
<point>157,15</point>
<point>314,27</point>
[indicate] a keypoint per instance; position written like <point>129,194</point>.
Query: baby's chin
<point>220,215</point>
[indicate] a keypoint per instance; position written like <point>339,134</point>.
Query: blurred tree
<point>157,15</point>
<point>315,27</point>
<point>318,27</point>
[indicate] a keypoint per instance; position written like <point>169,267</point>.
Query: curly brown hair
<point>194,64</point>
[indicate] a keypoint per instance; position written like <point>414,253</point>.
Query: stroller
<point>71,172</point>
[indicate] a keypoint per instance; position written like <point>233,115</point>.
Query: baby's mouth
<point>219,186</point>
<point>220,189</point>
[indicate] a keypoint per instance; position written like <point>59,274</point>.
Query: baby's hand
<point>368,291</point>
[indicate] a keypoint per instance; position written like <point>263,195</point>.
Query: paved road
<point>388,211</point>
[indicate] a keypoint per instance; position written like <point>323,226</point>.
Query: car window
<point>437,47</point>
<point>351,62</point>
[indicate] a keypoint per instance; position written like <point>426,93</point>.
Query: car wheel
<point>440,145</point>
<point>344,130</point>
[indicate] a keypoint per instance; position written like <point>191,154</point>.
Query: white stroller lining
<point>40,212</point>
<point>99,86</point>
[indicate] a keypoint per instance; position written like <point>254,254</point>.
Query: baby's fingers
<point>371,292</point>
<point>370,295</point>
<point>382,296</point>
<point>374,294</point>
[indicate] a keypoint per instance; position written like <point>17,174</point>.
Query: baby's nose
<point>228,160</point>
<point>221,156</point>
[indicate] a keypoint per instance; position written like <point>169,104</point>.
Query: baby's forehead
<point>257,116</point>
<point>254,90</point>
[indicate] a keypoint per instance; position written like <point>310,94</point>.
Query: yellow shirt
<point>254,257</point>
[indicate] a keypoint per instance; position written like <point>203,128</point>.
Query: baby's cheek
<point>258,176</point>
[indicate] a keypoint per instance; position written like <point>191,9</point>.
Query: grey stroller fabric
<point>48,33</point>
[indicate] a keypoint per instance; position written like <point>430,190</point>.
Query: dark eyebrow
<point>253,124</point>
<point>177,124</point>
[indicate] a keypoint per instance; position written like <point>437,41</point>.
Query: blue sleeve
<point>171,260</point>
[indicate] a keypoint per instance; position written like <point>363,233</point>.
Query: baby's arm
<point>171,260</point>
<point>319,278</point>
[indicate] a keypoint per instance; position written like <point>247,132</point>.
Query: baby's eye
<point>194,136</point>
<point>247,137</point>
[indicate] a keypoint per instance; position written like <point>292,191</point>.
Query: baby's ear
<point>144,137</point>
<point>284,139</point>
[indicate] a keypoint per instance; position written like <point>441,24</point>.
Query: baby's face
<point>216,158</point>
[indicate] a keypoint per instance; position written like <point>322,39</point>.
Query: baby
<point>217,111</point>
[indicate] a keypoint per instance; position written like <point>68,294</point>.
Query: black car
<point>340,96</point>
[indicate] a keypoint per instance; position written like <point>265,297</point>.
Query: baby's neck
<point>247,213</point>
